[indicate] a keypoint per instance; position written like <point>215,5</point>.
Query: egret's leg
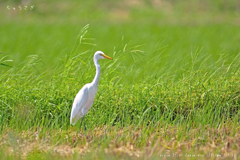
<point>80,126</point>
<point>81,123</point>
<point>83,112</point>
<point>84,123</point>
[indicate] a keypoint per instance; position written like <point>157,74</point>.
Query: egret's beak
<point>106,56</point>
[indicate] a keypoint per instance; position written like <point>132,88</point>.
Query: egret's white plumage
<point>85,97</point>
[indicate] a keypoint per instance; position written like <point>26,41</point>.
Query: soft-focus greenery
<point>175,64</point>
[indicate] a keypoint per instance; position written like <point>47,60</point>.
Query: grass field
<point>172,90</point>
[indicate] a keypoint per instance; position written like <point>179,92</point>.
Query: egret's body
<point>85,97</point>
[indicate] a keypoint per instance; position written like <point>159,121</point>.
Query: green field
<point>172,90</point>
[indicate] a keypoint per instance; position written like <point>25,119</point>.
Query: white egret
<point>84,99</point>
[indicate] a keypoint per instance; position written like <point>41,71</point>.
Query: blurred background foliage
<point>170,29</point>
<point>144,11</point>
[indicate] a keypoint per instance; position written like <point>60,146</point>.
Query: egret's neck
<point>96,78</point>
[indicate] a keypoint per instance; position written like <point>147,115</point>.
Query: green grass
<point>173,87</point>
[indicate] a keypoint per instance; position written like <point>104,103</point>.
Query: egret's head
<point>101,55</point>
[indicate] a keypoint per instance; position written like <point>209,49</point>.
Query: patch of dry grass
<point>222,142</point>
